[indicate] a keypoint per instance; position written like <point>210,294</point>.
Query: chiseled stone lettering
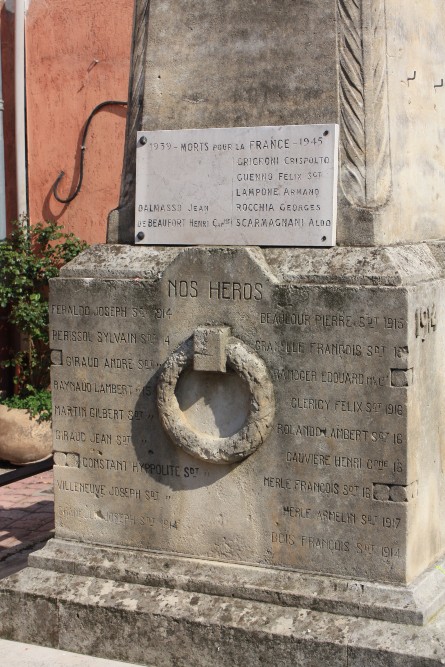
<point>329,544</point>
<point>334,461</point>
<point>283,538</point>
<point>256,177</point>
<point>293,375</point>
<point>275,222</point>
<point>183,288</point>
<point>111,311</point>
<point>309,458</point>
<point>426,321</point>
<point>125,363</point>
<point>269,144</point>
<point>277,483</point>
<point>326,488</point>
<point>161,470</point>
<point>125,492</point>
<point>280,347</point>
<point>343,377</point>
<point>357,435</point>
<point>310,403</point>
<point>100,463</point>
<point>73,310</point>
<point>72,385</point>
<point>93,488</point>
<point>348,406</point>
<point>101,438</point>
<point>333,516</point>
<point>114,414</point>
<point>284,317</point>
<point>113,388</point>
<point>78,361</point>
<point>297,512</point>
<point>305,430</point>
<point>71,336</point>
<point>125,519</point>
<point>116,337</point>
<point>70,411</point>
<point>336,349</point>
<point>235,291</point>
<point>70,436</point>
<point>257,192</point>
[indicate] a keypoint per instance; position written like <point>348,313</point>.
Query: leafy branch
<point>28,259</point>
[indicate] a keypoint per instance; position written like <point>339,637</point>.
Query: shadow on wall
<point>7,53</point>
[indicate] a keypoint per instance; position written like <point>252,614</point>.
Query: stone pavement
<point>15,654</point>
<point>26,522</point>
<point>26,513</point>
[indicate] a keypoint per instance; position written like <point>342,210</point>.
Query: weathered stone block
<point>155,626</point>
<point>329,468</point>
<point>209,353</point>
<point>210,64</point>
<point>250,455</point>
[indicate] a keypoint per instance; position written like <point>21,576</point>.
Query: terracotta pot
<point>22,439</point>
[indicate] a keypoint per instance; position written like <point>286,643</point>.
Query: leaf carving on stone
<point>365,146</point>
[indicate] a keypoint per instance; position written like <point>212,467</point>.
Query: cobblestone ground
<point>26,521</point>
<point>26,512</point>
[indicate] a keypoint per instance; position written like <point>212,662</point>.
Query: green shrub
<point>38,403</point>
<point>28,258</point>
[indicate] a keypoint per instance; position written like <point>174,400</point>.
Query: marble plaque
<point>269,186</point>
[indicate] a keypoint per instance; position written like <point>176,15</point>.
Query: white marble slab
<point>270,186</point>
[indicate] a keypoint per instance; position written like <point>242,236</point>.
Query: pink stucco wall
<point>77,55</point>
<point>64,39</point>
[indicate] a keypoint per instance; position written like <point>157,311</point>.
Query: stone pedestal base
<point>161,611</point>
<point>272,407</point>
<point>249,459</point>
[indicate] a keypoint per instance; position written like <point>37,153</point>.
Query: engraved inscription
<point>258,185</point>
<point>333,477</point>
<point>226,290</point>
<point>426,321</point>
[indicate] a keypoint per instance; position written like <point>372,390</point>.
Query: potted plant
<point>28,258</point>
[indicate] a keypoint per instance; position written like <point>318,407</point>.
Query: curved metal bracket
<point>96,109</point>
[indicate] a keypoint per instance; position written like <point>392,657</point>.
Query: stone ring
<point>257,425</point>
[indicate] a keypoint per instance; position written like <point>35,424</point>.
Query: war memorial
<point>249,377</point>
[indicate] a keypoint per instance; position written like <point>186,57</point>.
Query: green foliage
<point>37,403</point>
<point>28,259</point>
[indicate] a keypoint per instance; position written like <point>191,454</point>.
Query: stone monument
<point>248,442</point>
